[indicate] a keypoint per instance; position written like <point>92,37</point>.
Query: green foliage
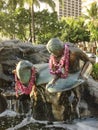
<point>91,18</point>
<point>2,4</point>
<point>7,24</point>
<point>22,16</point>
<point>23,21</point>
<point>46,26</point>
<point>74,30</point>
<point>16,22</point>
<point>95,71</point>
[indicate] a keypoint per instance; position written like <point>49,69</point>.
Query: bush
<point>95,71</point>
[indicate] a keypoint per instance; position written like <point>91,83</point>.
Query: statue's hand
<point>80,76</point>
<point>86,71</point>
<point>53,81</point>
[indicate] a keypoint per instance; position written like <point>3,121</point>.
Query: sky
<point>43,6</point>
<point>85,4</point>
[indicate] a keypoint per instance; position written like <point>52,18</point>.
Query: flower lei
<point>25,89</point>
<point>56,68</point>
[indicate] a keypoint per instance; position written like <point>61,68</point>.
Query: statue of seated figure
<point>64,64</point>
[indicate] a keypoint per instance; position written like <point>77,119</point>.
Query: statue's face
<point>57,53</point>
<point>24,75</point>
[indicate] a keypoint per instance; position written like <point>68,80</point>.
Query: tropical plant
<point>74,30</point>
<point>2,4</point>
<point>46,26</point>
<point>31,4</point>
<point>95,71</point>
<point>92,21</point>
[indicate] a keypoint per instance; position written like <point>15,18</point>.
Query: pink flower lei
<point>25,89</point>
<point>57,68</point>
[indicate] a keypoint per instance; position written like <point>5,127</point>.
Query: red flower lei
<point>56,68</point>
<point>25,89</point>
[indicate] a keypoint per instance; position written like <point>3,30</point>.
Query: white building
<point>69,8</point>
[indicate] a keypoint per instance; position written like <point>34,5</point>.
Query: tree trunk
<point>30,30</point>
<point>33,27</point>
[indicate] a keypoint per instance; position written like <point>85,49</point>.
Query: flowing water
<point>11,119</point>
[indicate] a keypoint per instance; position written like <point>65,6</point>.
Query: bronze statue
<point>65,59</point>
<point>64,63</point>
<point>53,89</point>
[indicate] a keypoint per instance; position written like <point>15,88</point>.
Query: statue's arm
<point>87,63</point>
<point>84,57</point>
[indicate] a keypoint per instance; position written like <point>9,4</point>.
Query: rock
<point>93,88</point>
<point>3,103</point>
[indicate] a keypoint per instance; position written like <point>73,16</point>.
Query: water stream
<point>10,119</point>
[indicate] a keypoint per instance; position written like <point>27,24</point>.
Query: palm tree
<point>92,18</point>
<point>12,4</point>
<point>31,4</point>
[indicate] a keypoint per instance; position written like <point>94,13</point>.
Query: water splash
<point>9,113</point>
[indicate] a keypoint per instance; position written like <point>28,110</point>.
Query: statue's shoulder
<point>72,47</point>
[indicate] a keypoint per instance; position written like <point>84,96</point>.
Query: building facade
<point>70,8</point>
